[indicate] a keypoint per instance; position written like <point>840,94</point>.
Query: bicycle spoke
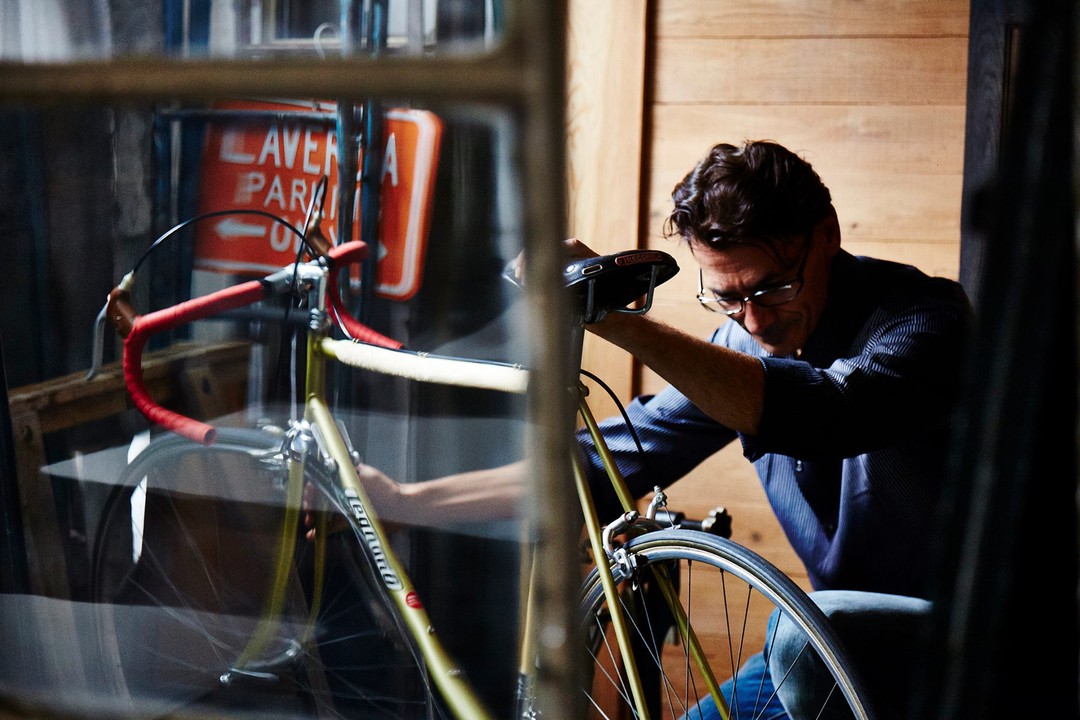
<point>618,682</point>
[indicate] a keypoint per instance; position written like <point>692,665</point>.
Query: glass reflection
<point>112,618</point>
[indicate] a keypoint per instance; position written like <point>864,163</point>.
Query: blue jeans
<point>883,635</point>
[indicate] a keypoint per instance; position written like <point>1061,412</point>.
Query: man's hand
<point>384,492</point>
<point>577,250</point>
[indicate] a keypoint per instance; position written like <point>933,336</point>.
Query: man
<point>838,375</point>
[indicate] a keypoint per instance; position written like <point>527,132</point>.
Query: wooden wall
<point>871,92</point>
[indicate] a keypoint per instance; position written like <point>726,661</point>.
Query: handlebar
<point>137,329</point>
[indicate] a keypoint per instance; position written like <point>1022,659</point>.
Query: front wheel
<point>729,595</point>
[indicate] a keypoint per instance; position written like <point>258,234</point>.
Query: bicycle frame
<point>318,438</point>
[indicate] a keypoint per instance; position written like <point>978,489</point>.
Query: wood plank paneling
<point>770,18</point>
<point>604,118</point>
<point>915,139</point>
<point>827,71</point>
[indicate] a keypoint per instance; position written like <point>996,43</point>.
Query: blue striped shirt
<point>853,441</point>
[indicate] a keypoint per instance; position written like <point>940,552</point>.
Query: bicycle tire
<point>725,573</point>
<point>182,599</point>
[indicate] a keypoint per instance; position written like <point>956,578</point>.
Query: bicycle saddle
<point>608,283</point>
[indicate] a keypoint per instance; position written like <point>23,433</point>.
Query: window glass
<point>149,563</point>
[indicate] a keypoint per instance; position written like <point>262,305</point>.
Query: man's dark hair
<point>760,191</point>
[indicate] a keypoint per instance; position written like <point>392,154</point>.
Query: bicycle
<point>230,638</point>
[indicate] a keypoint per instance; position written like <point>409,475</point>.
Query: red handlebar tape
<point>348,253</point>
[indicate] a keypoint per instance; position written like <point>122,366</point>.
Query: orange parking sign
<point>274,166</point>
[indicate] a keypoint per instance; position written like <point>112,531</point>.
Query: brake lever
<point>97,344</point>
<point>97,348</point>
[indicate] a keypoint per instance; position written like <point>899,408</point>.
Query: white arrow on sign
<point>232,228</point>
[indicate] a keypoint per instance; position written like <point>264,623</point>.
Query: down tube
<point>449,679</point>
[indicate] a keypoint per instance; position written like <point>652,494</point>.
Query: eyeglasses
<point>765,297</point>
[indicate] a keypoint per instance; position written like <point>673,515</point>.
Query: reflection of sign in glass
<point>274,166</point>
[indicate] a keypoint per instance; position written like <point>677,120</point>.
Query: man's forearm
<point>476,496</point>
<point>725,384</point>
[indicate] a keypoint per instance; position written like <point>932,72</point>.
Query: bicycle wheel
<point>729,595</point>
<point>183,566</point>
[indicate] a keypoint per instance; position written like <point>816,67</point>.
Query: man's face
<point>740,270</point>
